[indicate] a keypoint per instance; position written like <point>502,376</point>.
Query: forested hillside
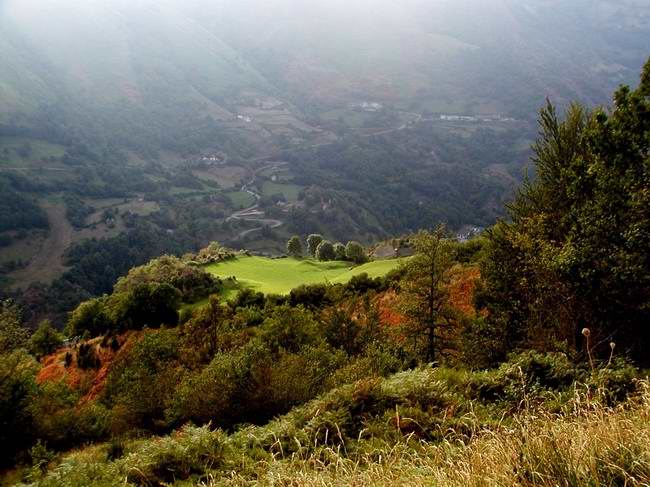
<point>518,357</point>
<point>130,122</point>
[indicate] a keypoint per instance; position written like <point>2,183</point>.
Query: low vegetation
<point>536,420</point>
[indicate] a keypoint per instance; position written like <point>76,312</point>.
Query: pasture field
<point>241,199</point>
<point>224,176</point>
<point>38,150</point>
<point>280,276</point>
<point>289,191</point>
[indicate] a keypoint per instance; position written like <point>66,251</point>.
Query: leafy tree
<point>142,382</point>
<point>12,333</point>
<point>339,251</point>
<point>294,247</point>
<point>424,292</point>
<point>313,296</point>
<point>290,329</point>
<point>203,333</point>
<point>191,281</point>
<point>577,250</point>
<point>325,251</point>
<point>150,305</point>
<point>355,252</point>
<point>313,241</point>
<point>342,330</point>
<point>17,389</point>
<point>45,340</point>
<point>90,316</point>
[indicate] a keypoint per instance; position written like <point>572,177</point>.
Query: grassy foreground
<point>415,428</point>
<point>280,276</point>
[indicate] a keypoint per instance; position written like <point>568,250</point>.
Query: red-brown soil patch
<point>54,368</point>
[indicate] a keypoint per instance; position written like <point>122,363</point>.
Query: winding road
<point>254,213</point>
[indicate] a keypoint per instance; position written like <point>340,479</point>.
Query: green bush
<point>60,419</point>
<point>151,305</point>
<point>45,340</point>
<point>142,383</point>
<point>90,316</point>
<point>191,282</point>
<point>314,296</point>
<point>190,451</point>
<point>614,381</point>
<point>213,394</point>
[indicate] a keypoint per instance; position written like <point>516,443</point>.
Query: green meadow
<point>39,150</point>
<point>289,191</point>
<point>279,276</point>
<point>241,199</point>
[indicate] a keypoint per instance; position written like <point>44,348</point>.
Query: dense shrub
<point>212,253</point>
<point>142,383</point>
<point>314,296</point>
<point>87,357</point>
<point>192,282</point>
<point>45,340</point>
<point>247,298</point>
<point>90,316</point>
<point>62,422</point>
<point>6,240</point>
<point>150,305</point>
<point>17,391</point>
<point>18,211</point>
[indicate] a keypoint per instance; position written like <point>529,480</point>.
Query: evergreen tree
<point>576,252</point>
<point>424,293</point>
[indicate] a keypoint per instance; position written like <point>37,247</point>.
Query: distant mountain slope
<point>113,67</point>
<point>460,55</point>
<point>155,70</point>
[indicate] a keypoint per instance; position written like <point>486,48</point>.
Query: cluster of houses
<point>367,106</point>
<point>211,159</point>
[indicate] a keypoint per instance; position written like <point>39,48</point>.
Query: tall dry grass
<point>591,445</point>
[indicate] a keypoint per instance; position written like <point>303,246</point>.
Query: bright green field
<point>279,276</point>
